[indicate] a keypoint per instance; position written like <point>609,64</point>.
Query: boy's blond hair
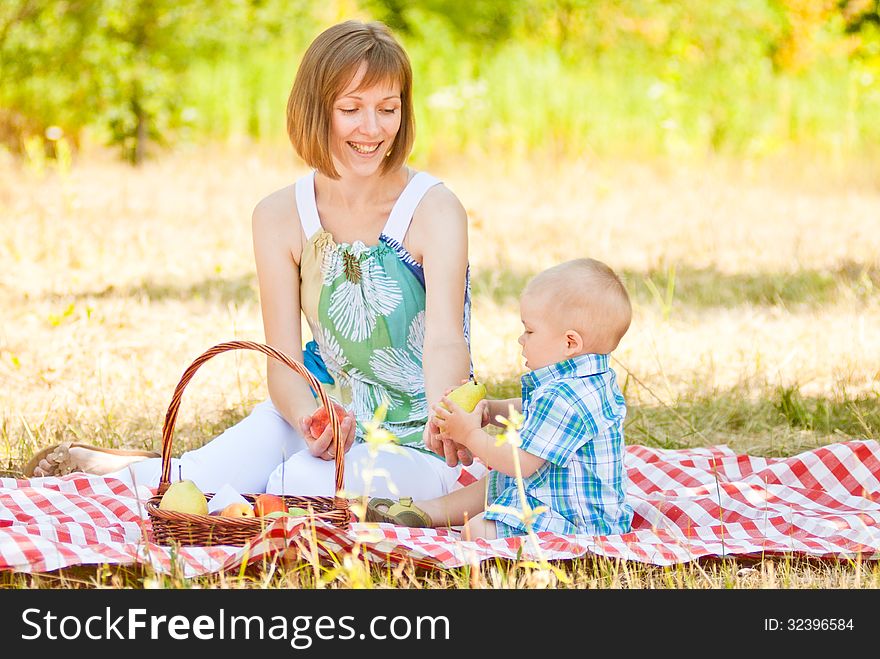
<point>587,296</point>
<point>329,64</point>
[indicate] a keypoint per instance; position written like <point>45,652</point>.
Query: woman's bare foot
<point>69,457</point>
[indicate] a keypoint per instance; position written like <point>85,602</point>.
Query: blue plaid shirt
<point>574,414</point>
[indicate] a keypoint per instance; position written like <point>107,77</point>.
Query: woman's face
<point>365,123</point>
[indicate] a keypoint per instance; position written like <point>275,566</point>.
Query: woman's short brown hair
<point>330,63</point>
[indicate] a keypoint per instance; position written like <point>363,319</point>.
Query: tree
<point>117,64</point>
<point>43,80</point>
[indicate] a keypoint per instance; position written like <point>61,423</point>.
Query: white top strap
<point>306,205</point>
<point>402,212</point>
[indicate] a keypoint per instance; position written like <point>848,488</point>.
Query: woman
<point>375,256</point>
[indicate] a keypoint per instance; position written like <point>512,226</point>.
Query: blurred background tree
<point>659,77</point>
<point>117,65</point>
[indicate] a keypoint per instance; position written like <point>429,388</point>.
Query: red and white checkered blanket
<point>688,504</point>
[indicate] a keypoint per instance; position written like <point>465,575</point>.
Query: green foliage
<point>116,64</point>
<point>44,48</point>
<point>477,21</point>
<point>159,41</point>
<point>562,76</point>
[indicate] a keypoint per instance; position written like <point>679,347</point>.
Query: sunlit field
<point>756,291</point>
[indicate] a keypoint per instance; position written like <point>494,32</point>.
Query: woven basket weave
<point>171,527</point>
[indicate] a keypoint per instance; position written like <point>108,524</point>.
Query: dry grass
<point>113,279</point>
<point>591,573</point>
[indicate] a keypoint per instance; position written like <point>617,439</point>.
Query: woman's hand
<point>323,447</point>
<point>444,446</point>
<point>485,420</point>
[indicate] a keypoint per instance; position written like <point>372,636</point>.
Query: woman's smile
<point>365,148</point>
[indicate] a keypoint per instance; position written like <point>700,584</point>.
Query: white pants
<point>263,453</point>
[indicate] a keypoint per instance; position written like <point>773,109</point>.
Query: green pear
<point>468,395</point>
<point>184,497</point>
<point>293,511</point>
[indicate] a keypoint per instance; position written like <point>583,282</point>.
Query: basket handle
<point>171,415</point>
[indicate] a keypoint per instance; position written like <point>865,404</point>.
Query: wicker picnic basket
<point>171,527</point>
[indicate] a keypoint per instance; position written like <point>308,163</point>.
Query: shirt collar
<point>579,366</point>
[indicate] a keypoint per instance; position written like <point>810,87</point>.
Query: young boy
<point>572,448</point>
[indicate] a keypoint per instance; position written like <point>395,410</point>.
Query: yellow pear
<point>184,497</point>
<point>468,395</point>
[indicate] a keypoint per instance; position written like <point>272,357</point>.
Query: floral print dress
<point>365,306</point>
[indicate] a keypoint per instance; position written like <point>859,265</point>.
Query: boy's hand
<point>457,424</point>
<point>463,453</point>
<point>439,442</point>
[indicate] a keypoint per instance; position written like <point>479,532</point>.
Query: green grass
<point>684,287</point>
<point>705,288</point>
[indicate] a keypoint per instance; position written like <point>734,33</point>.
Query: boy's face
<point>543,341</point>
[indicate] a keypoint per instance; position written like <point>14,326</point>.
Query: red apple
<point>321,418</point>
<point>269,503</point>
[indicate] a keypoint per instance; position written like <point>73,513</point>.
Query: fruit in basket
<point>468,395</point>
<point>184,497</point>
<point>321,418</point>
<point>293,511</point>
<point>269,503</point>
<point>238,509</point>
